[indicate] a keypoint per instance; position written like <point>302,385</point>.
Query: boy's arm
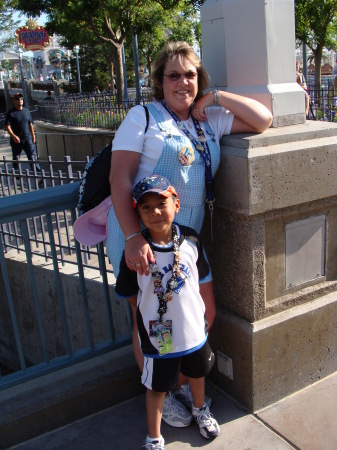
<point>207,294</point>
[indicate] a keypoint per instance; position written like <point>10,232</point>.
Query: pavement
<point>305,420</point>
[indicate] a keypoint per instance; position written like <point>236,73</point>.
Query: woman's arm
<point>249,115</point>
<point>124,167</point>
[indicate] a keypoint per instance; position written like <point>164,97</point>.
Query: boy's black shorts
<point>161,374</point>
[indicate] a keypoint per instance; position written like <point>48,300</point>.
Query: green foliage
<point>316,26</point>
<point>154,29</point>
<point>7,23</point>
<point>93,67</point>
<point>100,28</point>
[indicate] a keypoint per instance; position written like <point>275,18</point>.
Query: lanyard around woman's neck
<point>201,145</point>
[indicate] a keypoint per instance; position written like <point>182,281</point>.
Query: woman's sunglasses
<point>175,76</point>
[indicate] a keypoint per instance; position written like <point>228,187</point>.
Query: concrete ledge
<point>273,171</point>
<point>54,400</point>
<point>60,140</point>
<point>275,136</point>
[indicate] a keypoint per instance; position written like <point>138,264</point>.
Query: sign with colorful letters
<point>32,36</point>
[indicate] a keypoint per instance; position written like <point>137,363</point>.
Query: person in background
<point>181,140</point>
<point>333,94</point>
<point>19,125</point>
<point>48,97</point>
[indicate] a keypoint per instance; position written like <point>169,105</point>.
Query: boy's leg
<point>208,426</point>
<point>161,375</point>
<point>196,365</point>
<point>154,411</point>
<point>176,413</point>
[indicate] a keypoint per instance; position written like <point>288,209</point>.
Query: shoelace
<point>174,404</point>
<point>153,445</point>
<point>205,416</point>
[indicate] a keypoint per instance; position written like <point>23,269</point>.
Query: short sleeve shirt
<point>131,135</point>
<point>19,121</point>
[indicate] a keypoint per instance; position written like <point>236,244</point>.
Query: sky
<point>23,19</point>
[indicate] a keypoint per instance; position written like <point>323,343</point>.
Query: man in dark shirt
<point>19,125</point>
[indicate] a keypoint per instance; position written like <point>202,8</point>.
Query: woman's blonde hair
<point>171,51</point>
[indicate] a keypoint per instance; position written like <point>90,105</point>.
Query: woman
<point>171,147</point>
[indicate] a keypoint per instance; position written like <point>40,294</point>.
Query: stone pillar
<point>274,255</point>
<point>248,48</point>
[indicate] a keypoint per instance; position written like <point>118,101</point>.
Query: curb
<point>69,394</point>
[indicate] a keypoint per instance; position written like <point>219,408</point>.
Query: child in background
<point>171,313</point>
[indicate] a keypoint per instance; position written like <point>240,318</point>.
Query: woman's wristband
<point>132,235</point>
<point>216,97</point>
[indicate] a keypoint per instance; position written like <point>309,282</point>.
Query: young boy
<point>171,313</point>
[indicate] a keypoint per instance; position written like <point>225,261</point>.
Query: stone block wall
<point>274,260</point>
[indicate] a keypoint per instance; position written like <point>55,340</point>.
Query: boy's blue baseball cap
<point>155,183</point>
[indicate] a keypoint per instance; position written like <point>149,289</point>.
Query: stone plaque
<point>305,250</point>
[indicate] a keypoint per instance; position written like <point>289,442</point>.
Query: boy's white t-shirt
<point>130,135</point>
<point>187,308</point>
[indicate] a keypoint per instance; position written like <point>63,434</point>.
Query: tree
<point>154,29</point>
<point>316,26</point>
<point>7,24</point>
<point>109,23</point>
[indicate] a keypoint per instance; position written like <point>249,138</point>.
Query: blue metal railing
<point>21,209</point>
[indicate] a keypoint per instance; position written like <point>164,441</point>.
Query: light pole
<point>22,79</point>
<point>60,62</point>
<point>136,62</point>
<point>7,66</point>
<point>76,51</point>
<point>124,75</point>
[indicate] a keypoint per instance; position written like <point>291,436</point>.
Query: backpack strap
<point>95,186</point>
<point>147,117</point>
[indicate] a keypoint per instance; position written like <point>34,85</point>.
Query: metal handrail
<point>42,206</point>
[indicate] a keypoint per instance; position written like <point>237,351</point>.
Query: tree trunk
<point>318,63</point>
<point>149,66</point>
<point>119,72</point>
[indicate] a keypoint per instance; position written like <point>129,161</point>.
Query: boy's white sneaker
<point>208,426</point>
<point>184,396</point>
<point>154,444</point>
<point>174,413</point>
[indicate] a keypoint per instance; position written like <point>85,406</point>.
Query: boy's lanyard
<point>202,146</point>
<point>165,296</point>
